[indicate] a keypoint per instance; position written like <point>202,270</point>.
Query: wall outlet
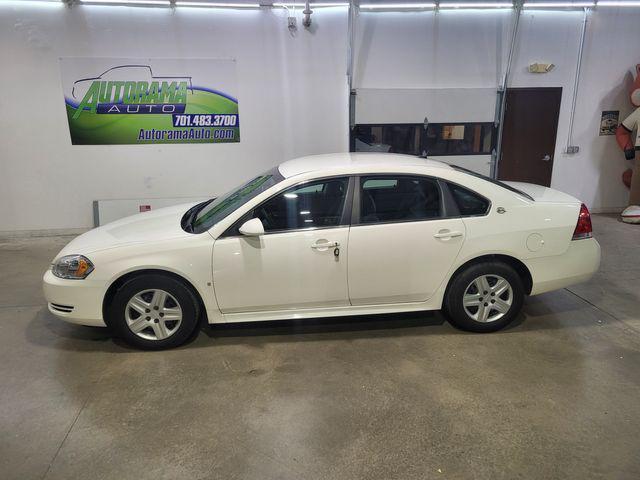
<point>573,149</point>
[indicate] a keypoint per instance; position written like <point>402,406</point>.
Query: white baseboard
<point>607,210</point>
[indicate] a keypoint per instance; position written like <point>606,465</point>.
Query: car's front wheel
<point>484,297</point>
<point>154,311</point>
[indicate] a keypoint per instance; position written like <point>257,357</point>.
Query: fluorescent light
<point>180,3</point>
<point>34,3</point>
<point>312,5</point>
<point>476,5</point>
<point>396,6</point>
<point>611,3</point>
<point>558,4</point>
<point>130,2</point>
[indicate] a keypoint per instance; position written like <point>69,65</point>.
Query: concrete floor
<point>555,396</point>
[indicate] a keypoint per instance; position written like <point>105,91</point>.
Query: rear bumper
<point>578,264</point>
<point>75,301</point>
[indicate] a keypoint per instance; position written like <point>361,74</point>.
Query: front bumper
<point>75,301</point>
<point>578,264</point>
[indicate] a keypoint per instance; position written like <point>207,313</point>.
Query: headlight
<point>73,267</point>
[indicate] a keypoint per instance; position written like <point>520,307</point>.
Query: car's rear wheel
<point>154,312</point>
<point>484,297</point>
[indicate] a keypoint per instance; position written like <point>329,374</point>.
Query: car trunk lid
<point>544,194</point>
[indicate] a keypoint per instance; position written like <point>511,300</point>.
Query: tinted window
<point>398,138</point>
<point>459,139</point>
<point>313,204</point>
<point>398,198</point>
<point>469,203</point>
<point>495,182</point>
<point>438,139</point>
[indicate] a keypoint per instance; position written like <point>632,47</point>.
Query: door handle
<point>319,245</point>
<point>447,234</point>
<point>546,158</point>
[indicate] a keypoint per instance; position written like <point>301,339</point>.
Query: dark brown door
<point>529,136</point>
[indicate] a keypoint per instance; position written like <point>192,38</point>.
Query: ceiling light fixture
<point>312,5</point>
<point>612,3</point>
<point>180,3</point>
<point>35,3</point>
<point>476,5</point>
<point>558,4</point>
<point>396,6</point>
<point>128,2</point>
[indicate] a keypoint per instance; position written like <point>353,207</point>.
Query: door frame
<point>231,233</point>
<point>557,123</point>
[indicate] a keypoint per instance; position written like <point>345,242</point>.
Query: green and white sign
<point>148,101</point>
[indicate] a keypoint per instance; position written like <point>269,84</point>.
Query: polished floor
<point>556,396</point>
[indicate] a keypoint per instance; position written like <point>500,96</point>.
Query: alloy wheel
<point>487,298</point>
<point>153,314</point>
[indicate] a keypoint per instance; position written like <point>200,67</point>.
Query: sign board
<point>609,122</point>
<point>150,101</point>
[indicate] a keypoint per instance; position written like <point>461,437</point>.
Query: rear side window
<point>311,205</point>
<point>468,202</point>
<point>398,199</point>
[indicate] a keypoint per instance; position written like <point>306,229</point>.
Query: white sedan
<point>329,235</point>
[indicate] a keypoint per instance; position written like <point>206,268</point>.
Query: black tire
<point>118,312</point>
<point>460,317</point>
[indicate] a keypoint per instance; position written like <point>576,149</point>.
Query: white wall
<point>612,49</point>
<point>292,97</point>
<point>468,49</point>
<point>292,93</point>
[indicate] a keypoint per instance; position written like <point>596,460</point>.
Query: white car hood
<point>158,225</point>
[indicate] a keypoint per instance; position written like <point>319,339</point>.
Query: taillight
<point>583,228</point>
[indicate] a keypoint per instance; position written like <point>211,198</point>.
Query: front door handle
<point>325,245</point>
<point>546,158</point>
<point>447,234</point>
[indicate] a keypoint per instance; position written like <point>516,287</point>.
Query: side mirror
<point>252,228</point>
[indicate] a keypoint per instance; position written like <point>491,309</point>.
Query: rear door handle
<point>447,234</point>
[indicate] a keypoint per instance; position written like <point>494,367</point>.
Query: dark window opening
<point>398,198</point>
<point>468,202</point>
<point>311,205</point>
<point>439,139</point>
<point>491,180</point>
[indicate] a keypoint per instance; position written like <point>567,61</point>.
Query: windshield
<point>495,182</point>
<point>218,209</point>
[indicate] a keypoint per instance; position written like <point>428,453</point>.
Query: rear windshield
<point>495,182</point>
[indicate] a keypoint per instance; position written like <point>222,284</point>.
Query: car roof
<point>363,160</point>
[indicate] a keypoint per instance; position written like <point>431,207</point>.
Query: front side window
<point>468,202</point>
<point>398,199</point>
<point>313,204</point>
